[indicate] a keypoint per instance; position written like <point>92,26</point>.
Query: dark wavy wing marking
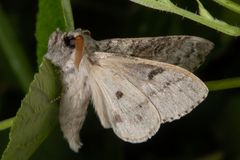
<point>188,52</point>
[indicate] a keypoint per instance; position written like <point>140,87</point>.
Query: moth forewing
<point>173,91</point>
<point>188,52</point>
<point>132,116</point>
<point>99,103</point>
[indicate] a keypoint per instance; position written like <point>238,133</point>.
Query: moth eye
<point>69,41</point>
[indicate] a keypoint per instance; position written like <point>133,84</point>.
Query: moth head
<point>65,49</point>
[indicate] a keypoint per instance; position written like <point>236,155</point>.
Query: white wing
<point>160,88</point>
<point>131,114</point>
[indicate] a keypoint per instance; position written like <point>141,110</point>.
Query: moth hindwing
<point>134,83</point>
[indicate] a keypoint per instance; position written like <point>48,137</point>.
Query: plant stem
<point>229,5</point>
<point>5,124</point>
<point>223,84</point>
<point>167,5</point>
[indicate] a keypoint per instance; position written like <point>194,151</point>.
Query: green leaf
<point>52,15</point>
<point>14,53</point>
<point>38,113</point>
<point>37,116</point>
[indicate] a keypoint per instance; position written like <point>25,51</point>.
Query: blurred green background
<point>210,132</point>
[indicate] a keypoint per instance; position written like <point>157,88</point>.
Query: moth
<point>135,84</point>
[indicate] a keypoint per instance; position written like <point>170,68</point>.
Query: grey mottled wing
<point>188,52</point>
